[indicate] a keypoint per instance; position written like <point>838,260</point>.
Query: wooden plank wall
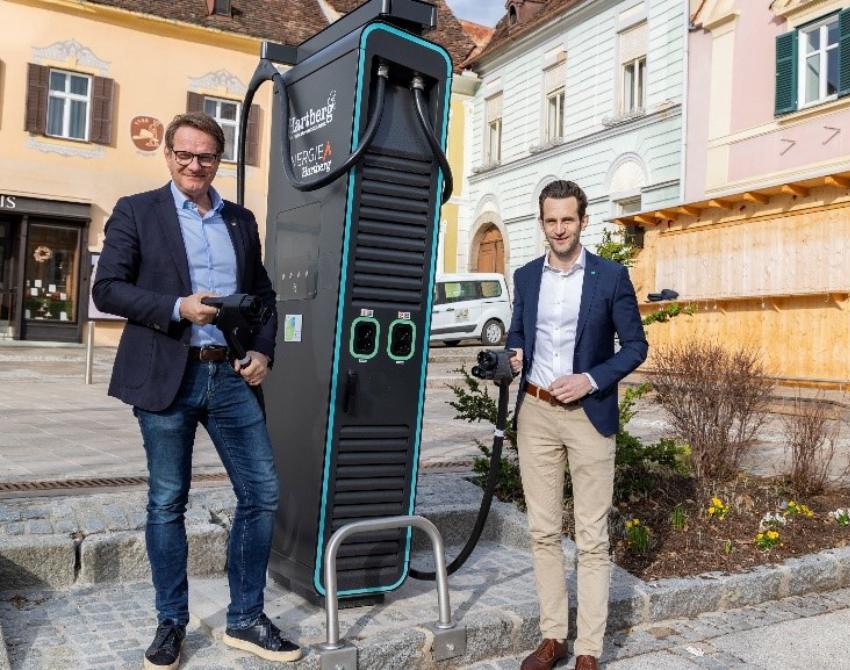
<point>775,278</point>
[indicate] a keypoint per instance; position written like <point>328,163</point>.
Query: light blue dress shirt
<point>212,260</point>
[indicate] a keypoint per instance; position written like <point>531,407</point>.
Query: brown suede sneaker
<point>586,663</point>
<point>545,656</point>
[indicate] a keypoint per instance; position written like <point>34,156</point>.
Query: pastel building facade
<point>760,242</point>
<point>86,90</point>
<point>587,91</point>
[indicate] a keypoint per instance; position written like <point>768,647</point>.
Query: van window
<point>456,291</point>
<point>491,289</point>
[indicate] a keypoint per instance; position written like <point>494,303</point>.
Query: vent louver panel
<point>391,238</point>
<point>370,482</point>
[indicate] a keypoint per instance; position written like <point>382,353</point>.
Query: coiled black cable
<point>356,155</point>
<point>266,71</point>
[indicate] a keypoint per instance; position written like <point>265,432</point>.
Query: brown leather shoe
<point>545,656</point>
<point>586,663</point>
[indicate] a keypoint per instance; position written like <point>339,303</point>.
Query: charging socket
<point>365,334</point>
<point>402,340</point>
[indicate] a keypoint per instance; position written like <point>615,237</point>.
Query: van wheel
<point>451,343</point>
<point>492,333</point>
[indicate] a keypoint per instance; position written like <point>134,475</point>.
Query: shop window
<point>50,276</point>
<point>813,63</point>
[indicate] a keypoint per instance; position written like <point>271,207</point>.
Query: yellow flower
<point>711,511</point>
<point>636,522</point>
<point>772,534</point>
<point>759,536</point>
<point>717,502</point>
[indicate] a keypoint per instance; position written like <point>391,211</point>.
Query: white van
<point>475,305</point>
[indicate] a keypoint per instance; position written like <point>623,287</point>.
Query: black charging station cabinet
<point>353,265</point>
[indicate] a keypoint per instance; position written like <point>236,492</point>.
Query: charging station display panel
<point>353,423</point>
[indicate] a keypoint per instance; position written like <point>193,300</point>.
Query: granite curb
<point>92,552</point>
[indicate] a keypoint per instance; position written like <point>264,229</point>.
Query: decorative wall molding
<point>72,53</point>
<point>218,80</point>
<point>48,147</point>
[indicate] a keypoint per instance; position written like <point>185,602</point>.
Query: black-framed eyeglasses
<point>185,158</point>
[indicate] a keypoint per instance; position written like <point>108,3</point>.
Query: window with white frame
<point>554,79</point>
<point>226,112</point>
<point>68,105</point>
<point>818,53</point>
<point>628,206</point>
<point>493,130</point>
<point>633,69</point>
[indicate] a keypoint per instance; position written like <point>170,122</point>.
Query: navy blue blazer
<point>142,270</point>
<point>608,307</point>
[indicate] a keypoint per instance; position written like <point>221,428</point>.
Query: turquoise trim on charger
<point>317,582</point>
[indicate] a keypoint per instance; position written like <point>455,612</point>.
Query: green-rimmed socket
<point>365,335</point>
<point>401,343</point>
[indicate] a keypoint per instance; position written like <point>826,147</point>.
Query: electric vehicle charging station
<point>353,263</point>
<point>357,175</point>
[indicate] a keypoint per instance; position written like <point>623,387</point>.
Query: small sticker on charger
<point>292,324</point>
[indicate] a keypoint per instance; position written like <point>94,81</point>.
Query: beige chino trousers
<point>548,438</point>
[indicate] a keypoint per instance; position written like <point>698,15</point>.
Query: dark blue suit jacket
<point>608,307</point>
<point>141,272</point>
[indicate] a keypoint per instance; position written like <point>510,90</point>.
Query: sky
<point>485,12</point>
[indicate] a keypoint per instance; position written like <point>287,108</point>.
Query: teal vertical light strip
<point>355,138</point>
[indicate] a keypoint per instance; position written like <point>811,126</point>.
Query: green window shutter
<point>844,53</point>
<point>786,73</point>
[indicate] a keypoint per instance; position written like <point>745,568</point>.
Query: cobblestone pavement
<point>54,426</point>
<point>109,627</point>
<point>795,633</point>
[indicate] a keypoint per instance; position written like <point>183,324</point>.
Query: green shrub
<point>637,465</point>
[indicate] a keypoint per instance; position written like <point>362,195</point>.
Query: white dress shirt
<point>557,321</point>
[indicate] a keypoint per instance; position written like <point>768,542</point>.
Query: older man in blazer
<point>165,251</point>
<point>568,307</point>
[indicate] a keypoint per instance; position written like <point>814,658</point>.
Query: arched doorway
<point>491,251</point>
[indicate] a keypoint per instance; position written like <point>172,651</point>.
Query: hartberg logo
<point>314,160</point>
<point>314,119</point>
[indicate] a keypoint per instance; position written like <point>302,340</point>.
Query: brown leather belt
<point>209,354</point>
<point>543,394</point>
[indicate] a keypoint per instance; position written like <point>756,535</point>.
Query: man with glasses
<point>165,251</point>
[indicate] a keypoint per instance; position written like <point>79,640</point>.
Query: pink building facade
<point>760,242</point>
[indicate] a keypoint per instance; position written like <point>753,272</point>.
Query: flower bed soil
<point>708,544</point>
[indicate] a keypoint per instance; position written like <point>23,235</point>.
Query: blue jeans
<point>214,395</point>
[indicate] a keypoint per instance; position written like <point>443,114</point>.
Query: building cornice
<point>672,111</point>
<point>152,24</point>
